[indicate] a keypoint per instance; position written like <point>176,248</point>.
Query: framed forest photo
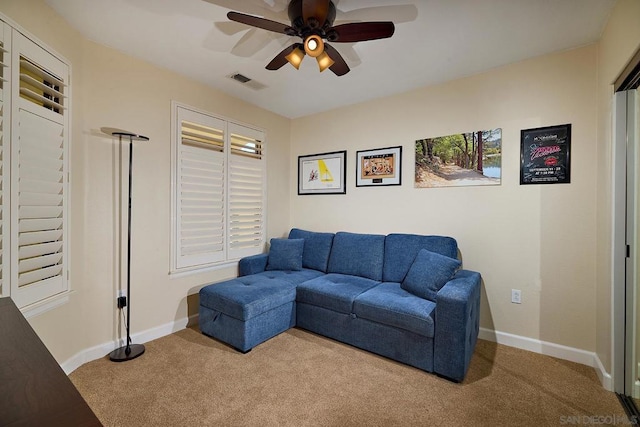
<point>379,167</point>
<point>322,173</point>
<point>464,159</point>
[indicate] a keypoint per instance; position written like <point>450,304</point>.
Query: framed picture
<point>382,166</point>
<point>461,159</point>
<point>322,173</point>
<point>545,155</point>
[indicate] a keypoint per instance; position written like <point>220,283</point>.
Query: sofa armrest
<point>252,264</point>
<point>457,324</point>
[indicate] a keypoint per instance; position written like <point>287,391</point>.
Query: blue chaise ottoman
<point>256,306</point>
<point>247,311</point>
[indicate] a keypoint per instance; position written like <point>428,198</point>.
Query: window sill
<point>45,305</point>
<point>176,274</point>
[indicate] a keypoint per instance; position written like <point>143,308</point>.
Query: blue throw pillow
<point>285,254</point>
<point>429,273</point>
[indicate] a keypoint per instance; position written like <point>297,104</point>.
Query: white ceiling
<point>435,41</point>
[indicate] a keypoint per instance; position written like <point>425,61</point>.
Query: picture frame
<point>379,167</point>
<point>545,155</point>
<point>459,160</point>
<point>323,173</point>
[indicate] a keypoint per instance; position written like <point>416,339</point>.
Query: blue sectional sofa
<point>402,296</point>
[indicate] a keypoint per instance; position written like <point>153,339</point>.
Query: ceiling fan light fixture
<point>312,21</point>
<point>295,57</point>
<point>313,45</point>
<point>324,61</point>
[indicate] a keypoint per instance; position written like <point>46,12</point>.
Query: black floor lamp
<point>128,351</point>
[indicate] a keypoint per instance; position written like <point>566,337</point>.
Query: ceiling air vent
<point>240,78</point>
<point>247,81</point>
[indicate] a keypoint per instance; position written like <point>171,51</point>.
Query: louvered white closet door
<point>246,192</point>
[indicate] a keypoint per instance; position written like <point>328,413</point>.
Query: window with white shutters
<point>218,190</point>
<point>39,171</point>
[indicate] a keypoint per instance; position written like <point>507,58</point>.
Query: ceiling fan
<point>312,21</point>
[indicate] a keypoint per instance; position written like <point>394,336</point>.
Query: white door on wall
<point>632,380</point>
<point>626,243</point>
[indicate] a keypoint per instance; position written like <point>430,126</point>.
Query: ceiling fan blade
<point>361,31</point>
<point>277,62</point>
<point>318,9</point>
<point>339,67</point>
<point>253,7</point>
<point>255,21</point>
<point>397,14</point>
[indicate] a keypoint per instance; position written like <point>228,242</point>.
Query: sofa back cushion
<point>401,249</point>
<point>358,255</point>
<point>317,247</point>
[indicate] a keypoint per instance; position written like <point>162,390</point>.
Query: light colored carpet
<point>302,379</point>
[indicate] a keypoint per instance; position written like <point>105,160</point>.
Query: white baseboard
<point>550,349</point>
<point>537,346</point>
<point>603,375</point>
<point>102,350</point>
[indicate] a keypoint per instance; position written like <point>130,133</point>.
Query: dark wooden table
<point>34,390</point>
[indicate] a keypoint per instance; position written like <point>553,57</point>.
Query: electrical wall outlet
<point>516,296</point>
<point>121,293</point>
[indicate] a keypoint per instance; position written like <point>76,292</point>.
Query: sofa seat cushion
<point>334,291</point>
<point>317,247</point>
<point>391,305</point>
<point>248,296</point>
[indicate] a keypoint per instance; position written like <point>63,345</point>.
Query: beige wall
<point>552,242</point>
<point>539,239</point>
<point>619,42</point>
<point>113,89</point>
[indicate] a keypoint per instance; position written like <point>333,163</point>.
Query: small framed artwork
<point>322,173</point>
<point>545,155</point>
<point>382,166</point>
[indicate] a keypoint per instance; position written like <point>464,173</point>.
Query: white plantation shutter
<point>201,195</point>
<point>5,160</point>
<point>246,192</point>
<point>38,174</point>
<point>40,202</point>
<point>219,190</point>
<point>40,87</point>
